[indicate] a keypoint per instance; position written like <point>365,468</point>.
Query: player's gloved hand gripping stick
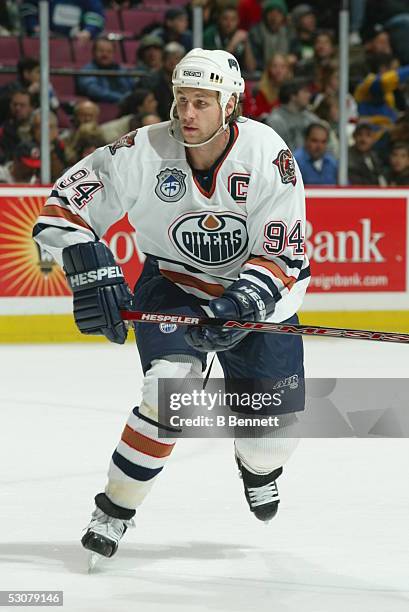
<point>99,288</point>
<point>242,300</point>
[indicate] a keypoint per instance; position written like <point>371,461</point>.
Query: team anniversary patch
<point>171,185</point>
<point>286,166</point>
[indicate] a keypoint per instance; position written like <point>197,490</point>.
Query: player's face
<point>199,113</point>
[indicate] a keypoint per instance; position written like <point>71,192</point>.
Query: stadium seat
<point>107,111</point>
<point>136,20</point>
<point>112,21</point>
<point>60,53</point>
<point>9,50</point>
<point>154,5</point>
<point>63,85</point>
<point>6,78</point>
<point>130,49</point>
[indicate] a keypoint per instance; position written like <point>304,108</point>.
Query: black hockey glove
<point>242,300</point>
<point>99,289</point>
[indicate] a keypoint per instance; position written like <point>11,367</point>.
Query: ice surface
<point>340,541</point>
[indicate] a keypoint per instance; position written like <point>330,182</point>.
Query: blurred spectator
<point>292,118</point>
<point>364,166</point>
<point>17,128</point>
<point>150,54</point>
<point>24,167</point>
<point>250,13</point>
<point>376,94</point>
<point>85,112</point>
<point>326,105</point>
<point>276,73</point>
<point>57,148</point>
<point>148,119</point>
<point>271,35</point>
<point>376,41</point>
<point>225,34</point>
<point>328,112</point>
<point>89,128</point>
<point>400,130</point>
<point>161,82</point>
<point>357,12</point>
<point>210,8</point>
<point>9,18</point>
<point>324,57</point>
<point>318,167</point>
<point>104,88</point>
<point>140,101</point>
<point>80,19</point>
<point>175,28</point>
<point>88,139</point>
<point>28,77</point>
<point>304,23</point>
<point>393,15</point>
<point>399,164</point>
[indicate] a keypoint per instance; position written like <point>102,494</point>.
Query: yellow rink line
<point>61,328</point>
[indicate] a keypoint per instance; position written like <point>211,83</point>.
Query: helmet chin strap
<point>174,128</point>
<point>172,132</point>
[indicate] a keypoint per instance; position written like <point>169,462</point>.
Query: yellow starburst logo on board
<point>25,268</point>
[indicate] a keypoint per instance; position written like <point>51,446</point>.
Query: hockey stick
<point>272,328</point>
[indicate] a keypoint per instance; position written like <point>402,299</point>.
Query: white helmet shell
<point>214,70</point>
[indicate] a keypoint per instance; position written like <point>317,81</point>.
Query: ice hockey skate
<point>105,531</point>
<point>261,491</point>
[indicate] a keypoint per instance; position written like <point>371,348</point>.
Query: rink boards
<point>356,239</point>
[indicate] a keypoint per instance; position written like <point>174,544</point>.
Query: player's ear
<point>230,106</point>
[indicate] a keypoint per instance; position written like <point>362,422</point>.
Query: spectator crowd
<point>287,50</point>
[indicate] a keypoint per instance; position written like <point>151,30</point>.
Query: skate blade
<point>94,560</point>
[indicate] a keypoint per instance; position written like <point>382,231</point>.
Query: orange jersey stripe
<point>51,210</point>
<point>145,445</point>
<point>288,281</point>
<point>191,281</point>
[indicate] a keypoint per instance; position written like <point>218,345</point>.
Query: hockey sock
<point>143,450</point>
<point>267,450</point>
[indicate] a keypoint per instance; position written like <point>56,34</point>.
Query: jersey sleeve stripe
<point>291,263</point>
<point>51,210</point>
<point>305,273</point>
<point>264,278</point>
<point>190,281</point>
<point>288,281</point>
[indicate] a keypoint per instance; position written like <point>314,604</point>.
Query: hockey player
<point>218,204</point>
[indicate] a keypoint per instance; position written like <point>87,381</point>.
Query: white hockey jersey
<point>250,223</point>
